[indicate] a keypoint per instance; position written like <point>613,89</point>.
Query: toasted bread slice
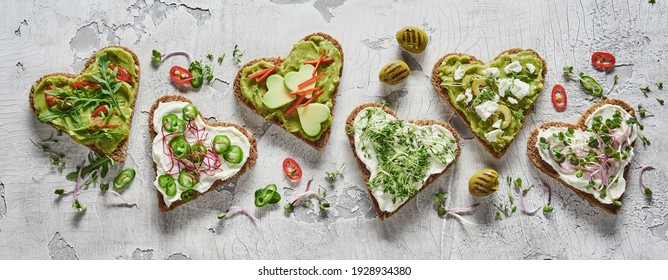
<point>120,152</point>
<point>436,82</point>
<point>350,122</point>
<point>322,141</point>
<point>252,157</point>
<point>535,158</point>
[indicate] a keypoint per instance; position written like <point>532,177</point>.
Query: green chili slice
<point>189,112</point>
<point>188,195</point>
<point>179,146</point>
<point>187,179</point>
<point>234,154</point>
<point>221,144</point>
<point>268,195</point>
<point>124,178</point>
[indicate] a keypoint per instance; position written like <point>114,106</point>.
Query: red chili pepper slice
<point>121,75</point>
<point>102,109</point>
<point>180,75</point>
<point>292,169</point>
<point>559,99</point>
<point>602,60</point>
<point>324,60</point>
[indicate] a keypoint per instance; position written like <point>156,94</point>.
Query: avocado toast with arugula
<point>297,92</point>
<point>94,107</point>
<point>492,98</point>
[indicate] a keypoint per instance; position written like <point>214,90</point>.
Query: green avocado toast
<point>297,92</point>
<point>94,107</point>
<point>494,98</point>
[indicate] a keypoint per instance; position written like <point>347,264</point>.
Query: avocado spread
<point>94,108</point>
<point>304,50</point>
<point>494,97</point>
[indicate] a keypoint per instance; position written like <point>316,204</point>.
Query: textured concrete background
<point>39,37</point>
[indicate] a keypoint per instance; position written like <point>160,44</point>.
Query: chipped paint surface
<point>39,37</point>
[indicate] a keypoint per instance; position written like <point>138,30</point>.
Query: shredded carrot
<point>266,74</point>
<point>314,97</point>
<point>258,73</point>
<point>318,63</point>
<point>324,60</point>
<point>294,105</point>
<point>304,91</point>
<point>311,80</point>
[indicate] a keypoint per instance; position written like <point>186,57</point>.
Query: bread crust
<point>367,174</point>
<point>534,156</point>
<point>120,152</point>
<point>252,158</point>
<point>436,82</point>
<point>322,141</point>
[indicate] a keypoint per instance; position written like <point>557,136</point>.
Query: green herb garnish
<point>645,90</point>
<point>332,176</point>
<point>221,58</point>
<point>644,112</point>
<point>209,56</point>
<point>237,54</point>
<point>156,57</point>
<point>660,101</point>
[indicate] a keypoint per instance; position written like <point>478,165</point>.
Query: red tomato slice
<point>51,99</point>
<point>292,169</point>
<point>79,85</point>
<point>559,99</point>
<point>121,75</point>
<point>102,109</point>
<point>180,75</point>
<point>602,60</point>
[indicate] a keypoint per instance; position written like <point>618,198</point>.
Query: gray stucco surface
<point>38,37</point>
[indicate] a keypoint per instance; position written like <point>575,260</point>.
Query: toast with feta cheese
<point>443,93</point>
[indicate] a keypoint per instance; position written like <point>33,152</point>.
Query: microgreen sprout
<point>441,197</point>
<point>644,139</point>
<point>59,191</point>
<point>517,183</point>
<point>645,90</point>
<point>221,58</point>
<point>660,101</point>
<point>644,112</point>
<point>208,73</point>
<point>332,176</point>
<point>54,156</point>
<point>158,57</point>
<point>209,56</point>
<point>237,54</point>
<point>234,209</point>
<point>549,207</point>
<point>659,85</point>
<point>320,195</point>
<point>648,192</point>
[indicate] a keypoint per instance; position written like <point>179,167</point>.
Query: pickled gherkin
<point>394,72</point>
<point>412,39</point>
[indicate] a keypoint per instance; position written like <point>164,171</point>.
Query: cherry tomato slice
<point>180,75</point>
<point>121,75</point>
<point>102,109</point>
<point>292,169</point>
<point>602,60</point>
<point>79,85</point>
<point>51,100</point>
<point>559,99</point>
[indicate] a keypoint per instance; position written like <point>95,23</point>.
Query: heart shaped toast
<point>591,157</point>
<point>94,107</point>
<point>398,159</point>
<point>276,88</point>
<point>192,156</point>
<point>494,98</point>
